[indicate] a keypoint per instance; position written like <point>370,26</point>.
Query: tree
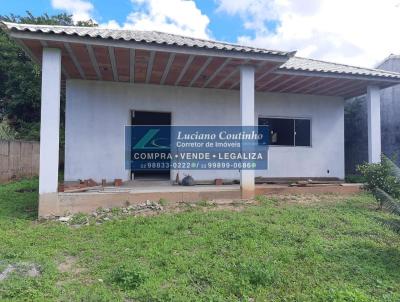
<point>20,78</point>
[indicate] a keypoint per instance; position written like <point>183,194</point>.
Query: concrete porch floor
<point>139,191</point>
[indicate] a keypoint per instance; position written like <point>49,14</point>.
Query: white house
<point>111,75</point>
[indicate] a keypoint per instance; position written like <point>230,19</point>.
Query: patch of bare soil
<point>69,265</point>
<point>22,269</point>
<point>151,208</point>
<point>209,205</point>
<point>306,199</point>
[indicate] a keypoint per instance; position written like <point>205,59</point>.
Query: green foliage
<point>383,181</point>
<point>128,276</point>
<point>116,211</point>
<point>395,170</point>
<point>203,203</point>
<point>45,19</point>
<point>266,200</point>
<point>257,273</point>
<point>79,219</point>
<point>320,252</point>
<point>391,205</point>
<point>341,295</point>
<point>19,199</point>
<point>163,202</point>
<point>381,175</point>
<point>20,78</point>
<point>355,178</point>
<point>6,132</point>
<point>19,87</point>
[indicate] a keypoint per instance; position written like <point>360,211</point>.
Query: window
<point>288,131</point>
<point>302,132</point>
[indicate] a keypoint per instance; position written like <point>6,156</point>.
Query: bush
<point>383,180</point>
<point>381,175</point>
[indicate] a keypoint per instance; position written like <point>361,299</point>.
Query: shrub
<point>381,175</point>
<point>383,180</point>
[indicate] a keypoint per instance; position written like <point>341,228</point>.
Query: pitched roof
<point>311,65</point>
<point>140,36</point>
<point>293,63</point>
<point>92,53</point>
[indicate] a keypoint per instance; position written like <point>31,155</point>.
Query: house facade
<point>97,112</point>
<point>115,78</point>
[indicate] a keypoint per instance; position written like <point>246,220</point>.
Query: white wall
<point>96,113</point>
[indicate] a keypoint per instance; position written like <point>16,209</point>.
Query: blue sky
<point>222,26</point>
<point>321,29</point>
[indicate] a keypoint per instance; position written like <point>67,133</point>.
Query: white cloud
<point>81,10</point>
<point>173,16</point>
<point>356,32</point>
<point>112,24</point>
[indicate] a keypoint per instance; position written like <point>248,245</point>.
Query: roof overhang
<point>206,64</point>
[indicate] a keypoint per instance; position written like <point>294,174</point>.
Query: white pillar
<point>374,124</point>
<point>247,119</point>
<point>49,129</point>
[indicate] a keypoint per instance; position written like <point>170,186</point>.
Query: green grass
<point>272,252</point>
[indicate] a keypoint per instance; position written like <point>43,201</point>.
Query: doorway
<point>152,118</point>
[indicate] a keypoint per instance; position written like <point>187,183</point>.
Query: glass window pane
<point>281,130</point>
<point>303,132</point>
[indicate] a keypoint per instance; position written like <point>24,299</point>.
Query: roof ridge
<point>347,65</point>
<point>12,24</point>
<point>222,42</point>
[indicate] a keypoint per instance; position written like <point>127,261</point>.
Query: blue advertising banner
<point>161,148</point>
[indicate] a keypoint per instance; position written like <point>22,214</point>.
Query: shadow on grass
<point>366,261</point>
<point>19,199</point>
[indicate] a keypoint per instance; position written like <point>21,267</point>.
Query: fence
<point>18,159</point>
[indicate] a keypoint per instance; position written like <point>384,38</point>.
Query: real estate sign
<point>196,147</point>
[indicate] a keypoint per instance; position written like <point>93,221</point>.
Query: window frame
<point>294,124</point>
